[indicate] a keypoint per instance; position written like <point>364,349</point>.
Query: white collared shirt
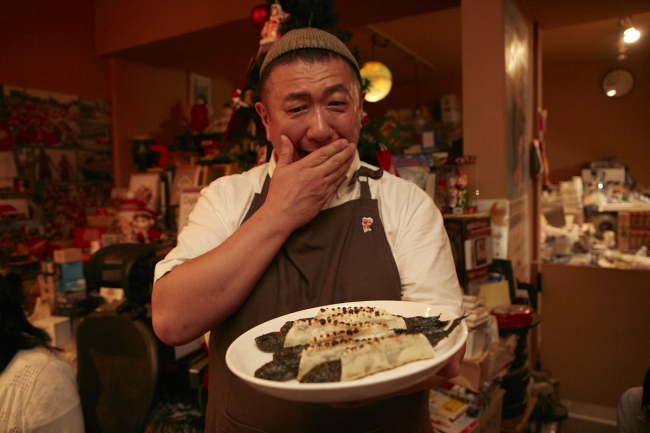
<point>413,224</point>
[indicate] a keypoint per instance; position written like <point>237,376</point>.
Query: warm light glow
<point>381,80</point>
<point>631,35</point>
<point>611,93</point>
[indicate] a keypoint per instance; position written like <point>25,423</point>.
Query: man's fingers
<point>333,161</point>
<point>336,153</point>
<point>285,156</point>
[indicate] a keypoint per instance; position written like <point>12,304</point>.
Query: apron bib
<point>342,255</point>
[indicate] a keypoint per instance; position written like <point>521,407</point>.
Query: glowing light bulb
<point>381,80</point>
<point>631,35</point>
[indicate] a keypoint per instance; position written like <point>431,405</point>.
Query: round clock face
<point>618,83</point>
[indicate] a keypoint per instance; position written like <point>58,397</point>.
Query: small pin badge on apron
<point>366,222</point>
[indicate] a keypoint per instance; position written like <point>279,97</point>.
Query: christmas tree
<point>245,134</point>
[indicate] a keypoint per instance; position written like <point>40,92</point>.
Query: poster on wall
<point>519,239</point>
<point>63,154</point>
<point>64,206</point>
<point>44,124</point>
<point>517,65</point>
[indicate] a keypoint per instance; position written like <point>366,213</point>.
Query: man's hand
<point>300,189</point>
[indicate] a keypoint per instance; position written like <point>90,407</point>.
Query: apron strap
<point>365,172</point>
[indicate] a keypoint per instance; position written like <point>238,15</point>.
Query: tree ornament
<point>271,28</point>
<point>259,15</point>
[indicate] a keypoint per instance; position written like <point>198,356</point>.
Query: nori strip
<point>325,372</point>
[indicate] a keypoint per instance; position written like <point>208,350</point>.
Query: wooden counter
<point>595,330</point>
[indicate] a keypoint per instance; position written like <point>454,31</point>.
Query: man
<point>314,226</point>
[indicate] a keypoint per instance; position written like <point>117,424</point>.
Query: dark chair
<point>117,371</point>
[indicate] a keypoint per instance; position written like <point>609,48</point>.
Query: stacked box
<point>68,271</point>
<point>58,328</point>
<point>83,236</point>
<point>471,244</point>
<point>633,230</point>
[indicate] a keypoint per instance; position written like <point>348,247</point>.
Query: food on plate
<point>344,322</point>
<point>364,358</point>
<point>345,357</point>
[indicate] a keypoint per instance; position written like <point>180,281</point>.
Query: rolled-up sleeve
<point>218,212</point>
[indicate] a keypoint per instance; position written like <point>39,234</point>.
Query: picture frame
<point>184,177</point>
<point>146,188</point>
<point>200,85</point>
<point>188,199</point>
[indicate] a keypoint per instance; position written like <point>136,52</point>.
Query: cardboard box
<point>84,235</point>
<point>490,419</point>
<point>66,287</point>
<point>67,255</point>
<point>471,241</point>
<point>473,373</point>
<point>492,364</point>
<point>471,281</point>
<point>58,328</point>
<point>70,271</point>
<point>633,230</point>
<point>103,217</point>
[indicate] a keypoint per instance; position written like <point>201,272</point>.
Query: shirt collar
<point>343,187</point>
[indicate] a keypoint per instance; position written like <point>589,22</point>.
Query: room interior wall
<point>584,125</point>
<point>147,101</point>
<point>124,24</point>
<point>50,46</point>
<point>484,89</point>
<point>154,102</point>
<point>412,95</point>
<point>594,323</point>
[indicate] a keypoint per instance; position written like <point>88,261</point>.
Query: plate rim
<point>305,389</point>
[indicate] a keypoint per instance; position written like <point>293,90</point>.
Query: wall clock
<point>617,83</point>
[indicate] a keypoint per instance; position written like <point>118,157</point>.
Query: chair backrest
<point>128,266</point>
<point>117,372</point>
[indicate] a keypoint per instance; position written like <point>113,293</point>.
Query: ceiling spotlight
<point>630,34</point>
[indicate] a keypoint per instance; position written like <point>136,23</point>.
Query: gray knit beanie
<point>307,38</point>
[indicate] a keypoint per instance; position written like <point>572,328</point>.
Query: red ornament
<point>259,15</point>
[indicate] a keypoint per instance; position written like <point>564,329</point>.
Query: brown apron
<point>329,260</point>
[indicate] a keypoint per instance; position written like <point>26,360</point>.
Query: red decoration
<point>259,15</point>
<point>199,117</point>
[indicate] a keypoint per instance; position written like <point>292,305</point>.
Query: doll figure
<point>271,27</point>
<point>144,226</point>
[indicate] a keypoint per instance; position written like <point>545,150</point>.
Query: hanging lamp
<point>378,75</point>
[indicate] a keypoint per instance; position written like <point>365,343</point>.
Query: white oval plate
<point>243,358</point>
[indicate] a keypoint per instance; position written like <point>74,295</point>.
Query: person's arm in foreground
<point>200,293</point>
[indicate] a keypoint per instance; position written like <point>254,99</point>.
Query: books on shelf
<point>477,312</point>
<point>464,424</point>
<point>449,414</point>
<point>472,301</point>
<point>445,406</point>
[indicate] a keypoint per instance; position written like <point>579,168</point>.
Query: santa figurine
<point>143,224</point>
<point>270,31</point>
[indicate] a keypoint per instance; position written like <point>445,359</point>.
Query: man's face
<point>312,104</point>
